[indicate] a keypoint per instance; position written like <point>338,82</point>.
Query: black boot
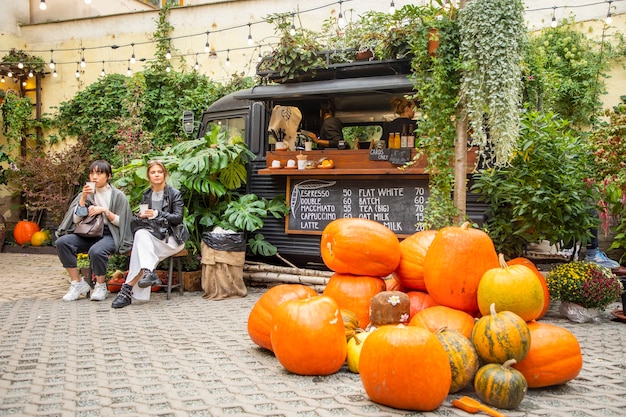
<point>124,297</point>
<point>149,279</point>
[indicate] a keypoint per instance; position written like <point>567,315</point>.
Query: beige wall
<point>67,26</point>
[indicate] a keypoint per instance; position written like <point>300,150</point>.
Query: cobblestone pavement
<point>189,356</point>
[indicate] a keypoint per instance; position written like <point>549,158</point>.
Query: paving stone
<point>188,356</point>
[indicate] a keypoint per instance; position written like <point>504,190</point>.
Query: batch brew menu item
<point>396,203</point>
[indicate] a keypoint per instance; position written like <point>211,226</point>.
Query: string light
<point>30,73</point>
<point>207,45</point>
<point>3,79</point>
<point>20,64</point>
<point>392,8</point>
<point>102,73</point>
<point>340,20</point>
<point>42,5</point>
<point>128,71</point>
<point>292,31</point>
<point>196,66</point>
<point>51,65</point>
<point>83,64</point>
<point>554,22</point>
<point>250,41</point>
<point>609,19</point>
<point>77,74</point>
<point>168,69</point>
<point>132,57</point>
<point>228,57</point>
<point>168,55</point>
<point>10,74</point>
<point>54,74</point>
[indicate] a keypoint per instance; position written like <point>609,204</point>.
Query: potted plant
<point>584,288</point>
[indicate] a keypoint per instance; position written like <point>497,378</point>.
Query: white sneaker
<point>77,288</point>
<point>99,292</point>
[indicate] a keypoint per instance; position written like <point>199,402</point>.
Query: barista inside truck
<point>331,135</point>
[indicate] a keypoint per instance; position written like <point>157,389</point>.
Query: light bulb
<point>132,59</point>
<point>42,5</point>
<point>30,74</point>
<point>10,74</point>
<point>128,72</point>
<point>554,23</point>
<point>292,31</point>
<point>609,19</point>
<point>3,79</point>
<point>51,64</point>
<point>392,8</point>
<point>20,65</point>
<point>54,74</point>
<point>168,55</point>
<point>167,69</point>
<point>77,74</point>
<point>83,64</point>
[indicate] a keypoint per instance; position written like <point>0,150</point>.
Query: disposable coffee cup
<point>92,185</point>
<point>143,208</point>
<point>308,145</point>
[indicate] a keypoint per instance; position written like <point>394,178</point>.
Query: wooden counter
<point>347,162</point>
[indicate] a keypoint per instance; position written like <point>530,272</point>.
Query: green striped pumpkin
<point>500,385</point>
<point>501,336</point>
<point>462,356</point>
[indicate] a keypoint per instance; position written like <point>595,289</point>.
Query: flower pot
<point>364,55</point>
<point>433,41</point>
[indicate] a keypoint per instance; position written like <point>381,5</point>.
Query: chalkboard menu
<point>397,203</point>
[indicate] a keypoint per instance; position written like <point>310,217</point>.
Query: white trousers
<point>147,252</point>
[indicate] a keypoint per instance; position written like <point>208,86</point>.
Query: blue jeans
<point>98,248</point>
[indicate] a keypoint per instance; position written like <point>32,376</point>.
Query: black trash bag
<point>231,242</point>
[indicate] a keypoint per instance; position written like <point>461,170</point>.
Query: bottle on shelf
<point>411,139</point>
<point>392,141</point>
<point>404,139</point>
<point>397,141</point>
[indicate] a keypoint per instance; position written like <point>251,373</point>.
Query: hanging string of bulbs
<point>213,53</point>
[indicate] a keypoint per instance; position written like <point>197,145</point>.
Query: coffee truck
<point>366,183</point>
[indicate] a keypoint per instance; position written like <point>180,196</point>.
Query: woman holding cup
<point>98,197</point>
<point>159,233</point>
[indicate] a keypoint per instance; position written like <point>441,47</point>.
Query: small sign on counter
<point>395,156</point>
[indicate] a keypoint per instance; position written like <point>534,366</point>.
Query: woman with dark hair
<point>106,200</point>
<point>331,131</point>
<point>159,234</point>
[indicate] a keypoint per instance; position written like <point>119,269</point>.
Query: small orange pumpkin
<point>436,317</point>
<point>554,357</point>
<point>360,247</point>
<point>24,231</point>
<point>512,288</point>
<point>410,271</point>
<point>419,301</point>
<point>352,292</point>
<point>260,317</point>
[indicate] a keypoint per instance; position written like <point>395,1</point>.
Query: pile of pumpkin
<point>26,231</point>
<point>441,311</point>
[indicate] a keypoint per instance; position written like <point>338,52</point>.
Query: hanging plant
<point>493,36</point>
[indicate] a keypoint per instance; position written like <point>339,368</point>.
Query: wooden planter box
<point>192,281</point>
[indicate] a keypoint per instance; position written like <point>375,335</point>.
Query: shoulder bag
<point>90,226</point>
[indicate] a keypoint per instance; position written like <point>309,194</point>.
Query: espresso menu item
<point>396,203</point>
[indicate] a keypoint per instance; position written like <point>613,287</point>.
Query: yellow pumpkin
<point>512,288</point>
<point>39,238</point>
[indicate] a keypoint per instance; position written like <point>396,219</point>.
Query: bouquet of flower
<point>584,283</point>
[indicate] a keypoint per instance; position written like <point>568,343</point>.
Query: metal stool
<point>177,257</point>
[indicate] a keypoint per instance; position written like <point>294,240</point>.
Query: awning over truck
<point>387,84</point>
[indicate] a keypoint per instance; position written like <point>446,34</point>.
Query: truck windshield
<point>234,127</point>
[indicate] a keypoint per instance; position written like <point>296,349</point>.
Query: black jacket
<point>173,208</point>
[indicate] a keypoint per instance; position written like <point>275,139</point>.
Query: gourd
<point>308,336</point>
<point>354,292</point>
<point>405,367</point>
<point>436,317</point>
<point>462,356</point>
<point>410,270</point>
<point>419,301</point>
<point>24,231</point>
<point>500,385</point>
<point>359,247</point>
<point>454,264</point>
<point>354,351</point>
<point>542,280</point>
<point>512,288</point>
<point>260,317</point>
<point>501,336</point>
<point>554,357</point>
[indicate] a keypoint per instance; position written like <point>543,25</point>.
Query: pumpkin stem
<point>503,263</point>
<point>509,363</point>
<point>466,225</point>
<point>441,329</point>
<point>492,309</point>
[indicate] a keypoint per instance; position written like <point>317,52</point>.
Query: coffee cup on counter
<point>291,163</point>
<point>275,163</point>
<point>301,161</point>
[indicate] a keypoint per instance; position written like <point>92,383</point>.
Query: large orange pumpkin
<point>436,317</point>
<point>454,264</point>
<point>542,280</point>
<point>512,288</point>
<point>405,367</point>
<point>419,301</point>
<point>360,247</point>
<point>554,357</point>
<point>501,336</point>
<point>410,271</point>
<point>352,292</point>
<point>24,231</point>
<point>260,317</point>
<point>308,336</point>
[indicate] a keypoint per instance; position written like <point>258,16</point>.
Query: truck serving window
<point>234,127</point>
